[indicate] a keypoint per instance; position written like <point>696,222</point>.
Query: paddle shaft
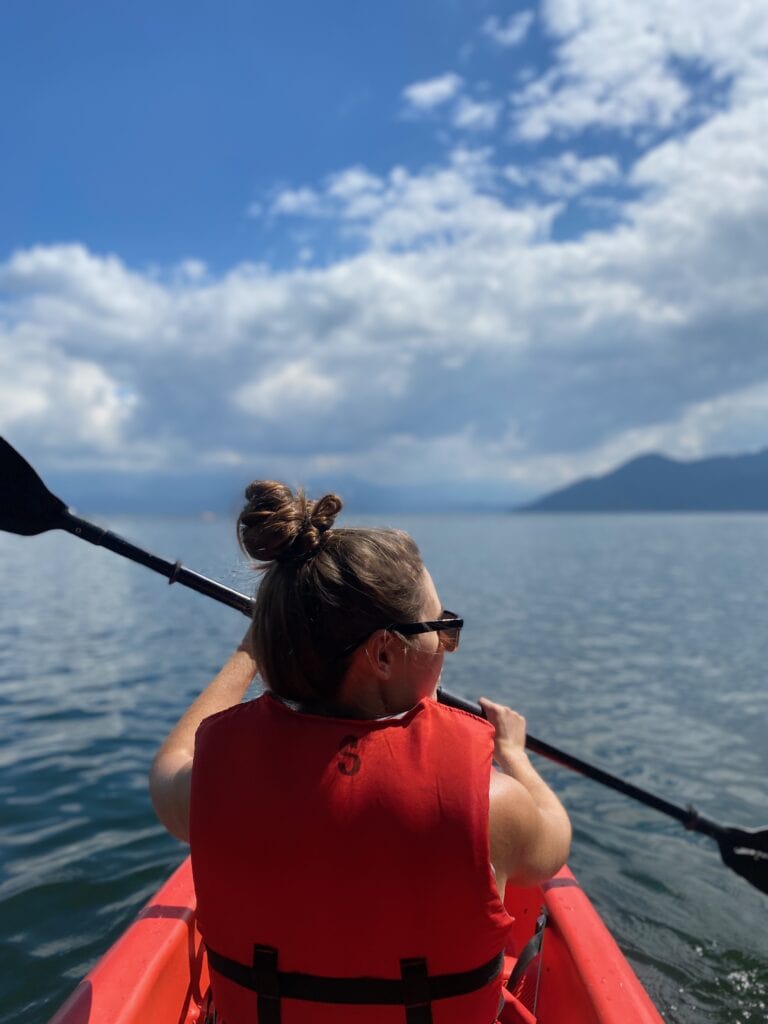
<point>174,572</point>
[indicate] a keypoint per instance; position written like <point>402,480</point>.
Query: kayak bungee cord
<point>28,508</point>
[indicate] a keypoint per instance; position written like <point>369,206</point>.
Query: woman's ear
<point>378,649</point>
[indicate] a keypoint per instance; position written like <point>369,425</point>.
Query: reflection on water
<point>635,642</point>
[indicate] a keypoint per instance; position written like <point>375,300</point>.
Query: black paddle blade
<point>26,505</point>
<point>745,851</point>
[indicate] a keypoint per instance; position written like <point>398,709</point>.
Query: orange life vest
<point>342,866</point>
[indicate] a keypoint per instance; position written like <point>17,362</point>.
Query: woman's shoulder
<point>228,717</point>
<point>460,719</point>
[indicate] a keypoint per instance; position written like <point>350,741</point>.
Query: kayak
<point>564,964</point>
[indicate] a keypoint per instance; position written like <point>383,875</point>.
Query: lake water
<point>638,643</point>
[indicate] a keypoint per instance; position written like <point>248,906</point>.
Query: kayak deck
<point>157,971</point>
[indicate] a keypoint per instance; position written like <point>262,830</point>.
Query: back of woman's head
<point>322,588</point>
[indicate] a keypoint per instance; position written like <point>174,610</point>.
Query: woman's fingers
<point>509,725</point>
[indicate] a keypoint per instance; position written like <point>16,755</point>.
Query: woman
<point>350,841</point>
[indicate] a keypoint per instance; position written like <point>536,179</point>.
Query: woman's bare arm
<point>530,831</point>
<point>171,772</point>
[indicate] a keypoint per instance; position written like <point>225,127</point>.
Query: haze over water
<point>637,643</point>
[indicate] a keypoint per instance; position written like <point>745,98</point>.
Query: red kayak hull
<point>157,970</point>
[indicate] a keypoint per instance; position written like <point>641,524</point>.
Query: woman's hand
<point>509,740</point>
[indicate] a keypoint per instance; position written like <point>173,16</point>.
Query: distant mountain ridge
<point>657,483</point>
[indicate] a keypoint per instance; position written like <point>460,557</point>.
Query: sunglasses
<point>448,628</point>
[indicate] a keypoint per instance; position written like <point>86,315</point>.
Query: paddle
<point>27,507</point>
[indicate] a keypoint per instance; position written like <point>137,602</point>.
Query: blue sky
<point>468,246</point>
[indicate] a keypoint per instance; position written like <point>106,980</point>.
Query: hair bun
<point>278,525</point>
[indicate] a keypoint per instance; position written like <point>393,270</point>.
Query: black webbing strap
<point>528,954</point>
<point>415,989</point>
<point>267,982</point>
<point>416,998</point>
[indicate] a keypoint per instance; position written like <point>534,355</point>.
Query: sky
<point>479,249</point>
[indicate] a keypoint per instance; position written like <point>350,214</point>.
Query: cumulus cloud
<point>440,204</point>
<point>55,284</point>
<point>511,32</point>
<point>293,201</point>
<point>433,92</point>
<point>62,401</point>
<point>566,175</point>
<point>352,182</point>
<point>476,115</point>
<point>650,64</point>
<point>290,389</point>
<point>461,326</point>
<point>447,91</point>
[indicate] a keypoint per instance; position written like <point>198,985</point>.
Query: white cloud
<point>299,201</point>
<point>70,267</point>
<point>567,175</point>
<point>476,115</point>
<point>56,283</point>
<point>624,65</point>
<point>433,92</point>
<point>510,33</point>
<point>352,182</point>
<point>295,387</point>
<point>22,398</point>
<point>459,318</point>
<point>67,402</point>
<point>439,205</point>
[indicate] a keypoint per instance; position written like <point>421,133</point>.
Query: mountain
<point>655,483</point>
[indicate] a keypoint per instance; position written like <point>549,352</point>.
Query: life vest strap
<point>529,952</point>
<point>416,998</point>
<point>267,985</point>
<point>414,990</point>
